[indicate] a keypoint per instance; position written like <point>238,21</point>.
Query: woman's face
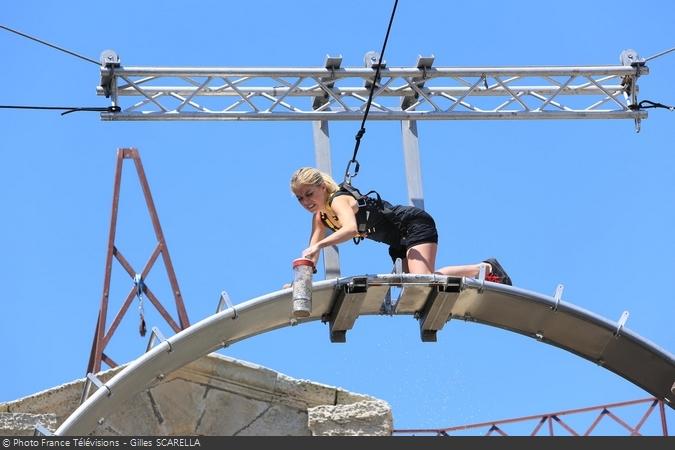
<point>311,197</point>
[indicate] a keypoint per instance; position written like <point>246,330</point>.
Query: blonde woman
<point>410,232</point>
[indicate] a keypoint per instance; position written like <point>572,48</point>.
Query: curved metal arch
<point>431,299</point>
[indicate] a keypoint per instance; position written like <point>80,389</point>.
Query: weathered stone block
<point>23,424</point>
<point>365,418</point>
<point>214,396</point>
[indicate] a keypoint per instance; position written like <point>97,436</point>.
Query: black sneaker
<point>498,274</point>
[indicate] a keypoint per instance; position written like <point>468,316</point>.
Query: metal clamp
<point>481,277</point>
<point>225,301</point>
<point>155,336</point>
<point>91,379</point>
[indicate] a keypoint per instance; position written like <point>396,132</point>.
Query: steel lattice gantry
<point>406,94</point>
<point>332,92</point>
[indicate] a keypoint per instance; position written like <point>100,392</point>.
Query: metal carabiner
<point>348,175</point>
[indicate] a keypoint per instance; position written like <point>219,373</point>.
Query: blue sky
<point>588,204</point>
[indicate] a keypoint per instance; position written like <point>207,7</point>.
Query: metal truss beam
<point>557,422</point>
<point>402,93</point>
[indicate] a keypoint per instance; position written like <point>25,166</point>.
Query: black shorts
<point>417,227</point>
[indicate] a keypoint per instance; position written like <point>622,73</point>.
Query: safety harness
<point>373,211</point>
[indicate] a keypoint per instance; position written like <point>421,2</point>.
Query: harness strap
<point>362,214</point>
<point>367,205</point>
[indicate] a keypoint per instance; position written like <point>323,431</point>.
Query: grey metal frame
<point>432,299</point>
<point>413,168</point>
<point>331,255</point>
<point>440,93</point>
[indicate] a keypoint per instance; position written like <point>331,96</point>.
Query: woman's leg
<point>421,258</point>
<point>468,270</point>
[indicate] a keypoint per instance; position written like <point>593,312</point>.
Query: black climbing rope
<point>362,130</point>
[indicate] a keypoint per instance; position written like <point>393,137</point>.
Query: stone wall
<point>213,396</point>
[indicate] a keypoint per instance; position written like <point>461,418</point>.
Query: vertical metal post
<point>101,337</point>
<point>413,171</point>
<point>331,255</point>
<point>322,155</point>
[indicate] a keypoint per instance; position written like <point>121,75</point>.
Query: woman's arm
<point>345,208</point>
<point>318,233</point>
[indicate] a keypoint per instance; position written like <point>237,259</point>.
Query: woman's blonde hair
<point>309,176</point>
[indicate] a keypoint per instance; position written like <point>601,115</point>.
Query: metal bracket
<point>225,301</point>
<point>387,306</point>
<point>331,63</point>
<point>41,430</point>
<point>622,322</point>
<point>109,61</point>
<point>558,296</point>
<point>437,310</point>
<point>372,59</point>
<point>424,63</point>
<point>155,336</point>
<point>98,383</point>
<point>398,266</point>
<point>346,308</point>
<point>481,277</point>
<point>630,57</point>
<point>91,379</point>
<point>109,58</point>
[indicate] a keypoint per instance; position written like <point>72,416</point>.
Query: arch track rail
<point>433,300</point>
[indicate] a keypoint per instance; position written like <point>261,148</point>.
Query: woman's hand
<point>311,252</point>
